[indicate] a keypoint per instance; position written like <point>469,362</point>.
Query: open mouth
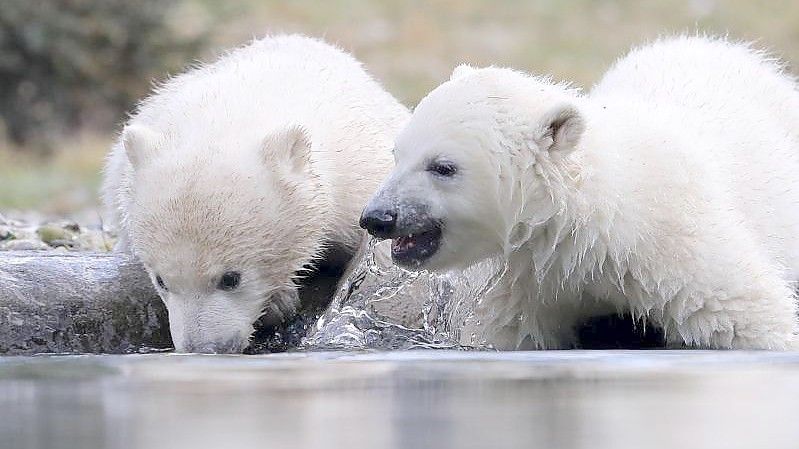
<point>412,250</point>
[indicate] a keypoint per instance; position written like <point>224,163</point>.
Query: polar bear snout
<point>196,327</point>
<point>415,234</point>
<point>379,222</point>
<point>209,341</point>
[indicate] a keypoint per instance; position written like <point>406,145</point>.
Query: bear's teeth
<point>404,243</point>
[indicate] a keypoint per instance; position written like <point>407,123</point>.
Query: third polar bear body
<point>235,176</point>
<point>670,191</point>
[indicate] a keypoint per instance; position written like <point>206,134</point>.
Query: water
<point>370,309</point>
<point>402,399</point>
<point>460,395</point>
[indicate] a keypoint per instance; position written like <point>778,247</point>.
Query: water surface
<point>407,399</point>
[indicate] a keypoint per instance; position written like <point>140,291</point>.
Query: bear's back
<point>269,83</point>
<point>737,108</point>
<point>723,80</point>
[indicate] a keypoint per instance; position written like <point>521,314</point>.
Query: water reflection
<point>402,400</point>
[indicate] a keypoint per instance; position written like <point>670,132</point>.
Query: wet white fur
<point>254,163</point>
<point>671,191</point>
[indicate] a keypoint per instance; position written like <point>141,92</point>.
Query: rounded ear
<point>289,147</point>
<point>461,71</point>
<point>140,144</point>
<point>562,128</point>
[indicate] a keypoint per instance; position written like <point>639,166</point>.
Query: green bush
<point>72,64</point>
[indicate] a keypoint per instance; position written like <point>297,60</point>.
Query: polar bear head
<point>217,229</point>
<point>476,168</point>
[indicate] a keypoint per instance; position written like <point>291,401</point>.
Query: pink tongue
<point>402,243</point>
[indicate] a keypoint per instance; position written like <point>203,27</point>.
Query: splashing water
<point>382,306</point>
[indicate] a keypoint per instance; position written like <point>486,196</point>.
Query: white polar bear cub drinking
<point>670,191</point>
<point>234,176</point>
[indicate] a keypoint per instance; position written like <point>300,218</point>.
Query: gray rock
<point>83,302</point>
<point>65,302</point>
<point>23,245</point>
<point>71,226</point>
<point>94,241</point>
<point>62,243</point>
<point>62,234</point>
<point>49,233</point>
<point>5,233</point>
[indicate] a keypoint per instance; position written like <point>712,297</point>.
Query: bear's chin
<point>413,250</point>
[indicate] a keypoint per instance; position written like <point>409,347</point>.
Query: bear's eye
<point>442,168</point>
<point>229,281</point>
<point>160,281</point>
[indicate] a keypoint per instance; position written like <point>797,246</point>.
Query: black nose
<point>379,223</point>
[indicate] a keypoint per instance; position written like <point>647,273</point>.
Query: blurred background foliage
<point>71,69</point>
<point>73,64</point>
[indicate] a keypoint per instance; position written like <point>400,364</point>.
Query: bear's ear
<point>461,71</point>
<point>289,147</point>
<point>140,143</point>
<point>562,128</point>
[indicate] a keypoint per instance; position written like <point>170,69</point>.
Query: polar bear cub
<point>234,177</point>
<point>670,191</point>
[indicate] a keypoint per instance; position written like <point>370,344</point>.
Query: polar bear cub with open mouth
<point>670,191</point>
<point>235,177</point>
